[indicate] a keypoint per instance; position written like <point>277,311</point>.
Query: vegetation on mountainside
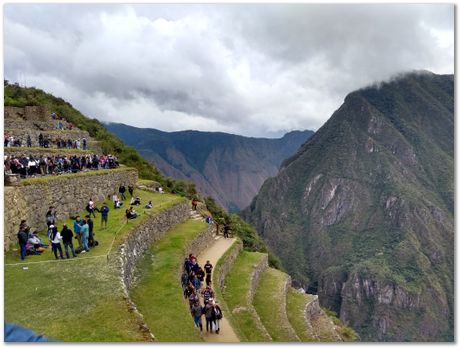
<point>251,240</point>
<point>18,96</point>
<point>368,200</point>
<point>87,286</point>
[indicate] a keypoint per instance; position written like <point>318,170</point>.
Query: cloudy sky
<point>257,70</point>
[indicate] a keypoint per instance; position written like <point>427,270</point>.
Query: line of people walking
<point>192,279</point>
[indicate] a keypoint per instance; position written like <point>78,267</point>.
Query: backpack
<point>218,312</point>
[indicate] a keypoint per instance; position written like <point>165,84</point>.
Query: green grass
<point>237,287</point>
<point>268,303</point>
<point>218,292</point>
<point>48,178</point>
<point>158,294</point>
<point>295,304</point>
<point>78,300</point>
<point>116,228</point>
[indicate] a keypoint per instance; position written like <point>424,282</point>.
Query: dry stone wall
<point>225,267</point>
<point>53,136</point>
<point>149,231</point>
<point>68,194</point>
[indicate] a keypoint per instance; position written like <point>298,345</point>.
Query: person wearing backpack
<point>208,314</point>
<point>104,215</point>
<point>197,312</point>
<point>55,239</point>
<point>217,315</point>
<point>84,232</point>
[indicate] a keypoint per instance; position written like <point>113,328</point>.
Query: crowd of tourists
<point>193,281</point>
<point>46,142</point>
<point>31,165</point>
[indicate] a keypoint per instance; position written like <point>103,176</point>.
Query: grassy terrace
<point>237,287</point>
<point>295,307</point>
<point>218,292</point>
<point>158,294</point>
<point>69,299</point>
<point>47,178</point>
<point>269,304</point>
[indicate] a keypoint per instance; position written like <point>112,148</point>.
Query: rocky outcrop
<point>69,194</point>
<point>363,214</point>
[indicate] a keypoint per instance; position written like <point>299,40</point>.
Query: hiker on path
<point>197,312</point>
<point>217,315</point>
<point>184,282</point>
<point>226,229</point>
<point>208,313</point>
<point>193,298</point>
<point>194,203</point>
<point>208,270</point>
<point>200,274</point>
<point>196,284</point>
<point>104,215</point>
<point>22,239</point>
<point>55,239</point>
<point>67,235</point>
<point>207,294</point>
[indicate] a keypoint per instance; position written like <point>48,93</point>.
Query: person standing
<point>67,236</point>
<point>55,239</point>
<point>217,315</point>
<point>184,282</point>
<point>208,313</point>
<point>104,215</point>
<point>29,141</point>
<point>22,239</point>
<point>91,207</point>
<point>76,229</point>
<point>197,312</point>
<point>122,190</point>
<point>91,231</point>
<point>226,229</point>
<point>50,216</point>
<point>208,270</point>
<point>84,236</point>
<point>130,190</point>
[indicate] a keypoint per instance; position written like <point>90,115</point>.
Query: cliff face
<point>227,167</point>
<point>363,214</point>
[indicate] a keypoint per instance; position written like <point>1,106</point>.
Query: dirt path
<point>213,254</point>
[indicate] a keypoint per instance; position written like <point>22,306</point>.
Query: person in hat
<point>55,239</point>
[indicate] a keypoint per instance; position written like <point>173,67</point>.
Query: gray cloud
<point>249,69</point>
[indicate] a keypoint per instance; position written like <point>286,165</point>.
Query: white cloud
<point>248,69</point>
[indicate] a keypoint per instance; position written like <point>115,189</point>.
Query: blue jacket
<point>77,226</point>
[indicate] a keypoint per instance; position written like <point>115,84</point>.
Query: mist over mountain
<point>230,168</point>
<point>363,213</point>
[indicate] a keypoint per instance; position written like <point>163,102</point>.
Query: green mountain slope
<point>227,167</point>
<point>363,214</point>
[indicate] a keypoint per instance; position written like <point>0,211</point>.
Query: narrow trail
<point>213,254</point>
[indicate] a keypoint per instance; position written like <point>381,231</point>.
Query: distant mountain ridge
<point>363,213</point>
<point>230,168</point>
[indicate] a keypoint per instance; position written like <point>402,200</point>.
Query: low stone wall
<point>312,309</point>
<point>200,243</point>
<point>30,117</point>
<point>225,267</point>
<point>149,231</point>
<point>38,152</point>
<point>68,194</point>
<point>258,269</point>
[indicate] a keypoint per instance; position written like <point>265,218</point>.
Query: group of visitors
<point>58,164</point>
<point>29,242</point>
<point>59,124</point>
<point>192,280</point>
<point>46,142</point>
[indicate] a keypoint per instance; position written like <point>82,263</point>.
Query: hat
<point>51,226</point>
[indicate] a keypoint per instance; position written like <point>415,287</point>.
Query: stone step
<point>270,304</point>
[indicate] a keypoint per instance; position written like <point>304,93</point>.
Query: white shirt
<point>57,239</point>
<point>91,204</point>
